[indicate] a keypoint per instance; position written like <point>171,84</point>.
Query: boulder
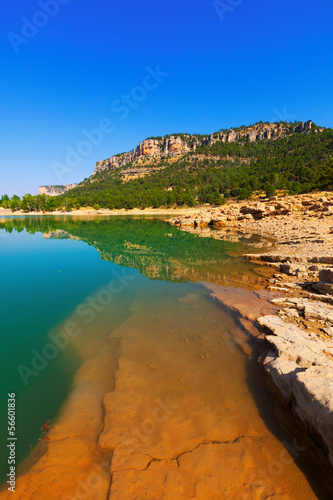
<point>326,275</point>
<point>323,287</point>
<point>292,269</point>
<point>315,206</point>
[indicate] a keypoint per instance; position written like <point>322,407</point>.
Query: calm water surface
<point>54,269</point>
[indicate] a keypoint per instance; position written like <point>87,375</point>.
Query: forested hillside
<point>297,162</point>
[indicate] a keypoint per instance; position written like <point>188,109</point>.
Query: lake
<point>109,333</point>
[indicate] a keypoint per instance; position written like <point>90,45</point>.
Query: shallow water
<point>180,411</point>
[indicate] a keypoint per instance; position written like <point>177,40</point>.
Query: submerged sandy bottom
<point>161,409</point>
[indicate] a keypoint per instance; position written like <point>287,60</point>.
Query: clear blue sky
<point>260,60</point>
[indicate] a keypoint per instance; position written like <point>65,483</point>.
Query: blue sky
<point>67,64</point>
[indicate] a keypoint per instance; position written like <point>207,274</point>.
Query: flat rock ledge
<point>298,351</point>
<point>298,355</point>
<point>300,368</point>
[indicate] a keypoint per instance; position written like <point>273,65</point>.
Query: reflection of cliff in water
<point>157,250</point>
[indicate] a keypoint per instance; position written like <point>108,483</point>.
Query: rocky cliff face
<point>180,145</point>
<point>166,146</point>
<point>55,190</point>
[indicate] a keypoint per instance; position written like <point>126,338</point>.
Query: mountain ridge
<point>190,170</point>
<point>159,147</point>
<point>172,145</point>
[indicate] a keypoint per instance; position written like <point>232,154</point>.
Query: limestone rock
<point>313,395</point>
<point>55,190</point>
<point>300,368</point>
<point>326,275</point>
<point>149,147</point>
<point>323,287</point>
<point>252,136</point>
<point>175,145</point>
<point>281,373</point>
<point>292,269</point>
<point>231,136</point>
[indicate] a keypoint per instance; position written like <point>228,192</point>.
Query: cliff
<point>55,190</point>
<point>174,145</point>
<point>165,146</point>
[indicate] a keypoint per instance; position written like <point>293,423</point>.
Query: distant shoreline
<point>104,211</point>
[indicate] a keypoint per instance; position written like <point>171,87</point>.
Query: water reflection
<point>159,251</point>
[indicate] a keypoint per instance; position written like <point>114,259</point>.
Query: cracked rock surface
<point>181,422</point>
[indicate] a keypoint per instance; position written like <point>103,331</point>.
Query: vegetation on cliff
<point>294,163</point>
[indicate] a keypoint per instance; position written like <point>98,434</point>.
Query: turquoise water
<point>55,269</point>
<point>42,283</point>
<point>49,266</point>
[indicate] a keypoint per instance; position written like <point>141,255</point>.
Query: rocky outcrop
<point>304,126</point>
<point>251,137</point>
<point>180,145</point>
<point>150,148</point>
<point>55,190</point>
<point>298,357</point>
<point>236,214</point>
<point>175,145</point>
<point>232,136</point>
<point>300,367</point>
<point>326,275</point>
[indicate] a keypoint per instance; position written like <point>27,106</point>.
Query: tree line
<point>295,164</point>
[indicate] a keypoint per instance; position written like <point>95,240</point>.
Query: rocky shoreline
<point>292,323</point>
<point>297,347</point>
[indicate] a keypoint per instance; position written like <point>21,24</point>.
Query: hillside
<point>184,169</point>
<point>208,169</point>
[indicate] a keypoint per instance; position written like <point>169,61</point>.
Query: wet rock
<point>189,297</point>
